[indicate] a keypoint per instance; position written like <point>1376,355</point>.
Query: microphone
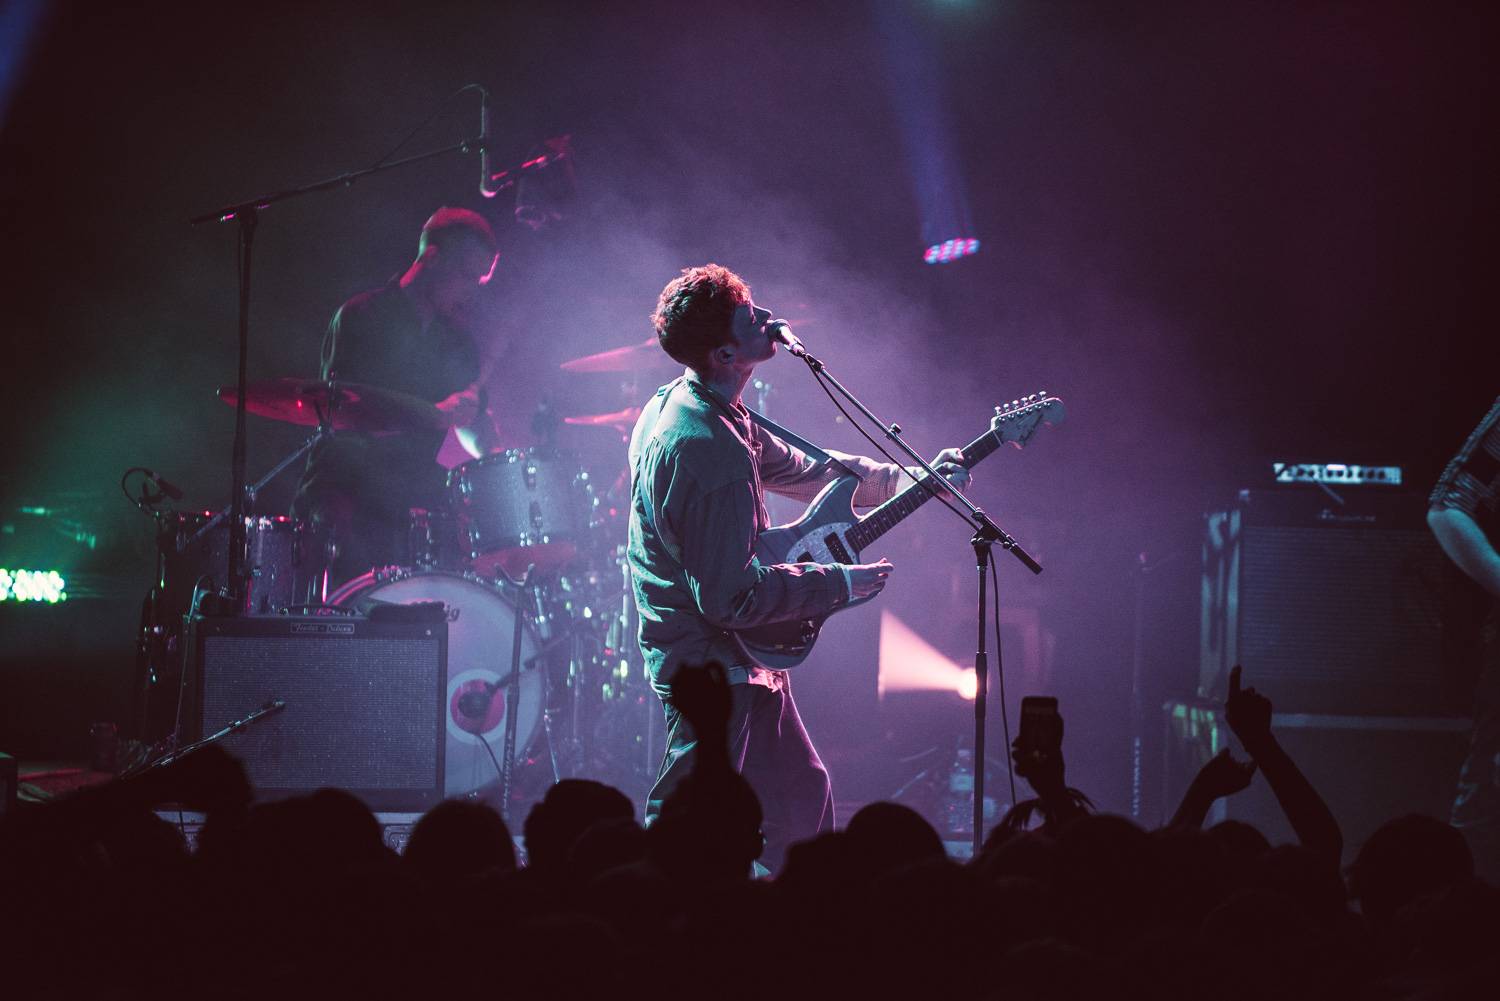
<point>165,485</point>
<point>476,704</point>
<point>484,145</point>
<point>781,333</point>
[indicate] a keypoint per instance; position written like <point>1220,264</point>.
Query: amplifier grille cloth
<point>361,712</point>
<point>1357,609</point>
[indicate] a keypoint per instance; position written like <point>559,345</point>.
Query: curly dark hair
<point>694,311</point>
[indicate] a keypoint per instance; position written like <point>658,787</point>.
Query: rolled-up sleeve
<point>791,472</point>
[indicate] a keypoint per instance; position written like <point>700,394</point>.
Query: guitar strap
<point>797,441</point>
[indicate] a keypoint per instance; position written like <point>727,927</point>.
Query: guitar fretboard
<point>890,514</point>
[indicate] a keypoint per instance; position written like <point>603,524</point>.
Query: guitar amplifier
<point>365,703</point>
<point>1335,602</point>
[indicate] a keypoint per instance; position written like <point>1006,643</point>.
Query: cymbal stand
<point>324,431</point>
<point>513,695</point>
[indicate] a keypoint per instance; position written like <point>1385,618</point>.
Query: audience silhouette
<point>301,896</point>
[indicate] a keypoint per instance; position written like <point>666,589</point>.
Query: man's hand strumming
<point>867,579</point>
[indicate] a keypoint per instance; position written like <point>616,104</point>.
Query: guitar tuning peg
<point>999,411</point>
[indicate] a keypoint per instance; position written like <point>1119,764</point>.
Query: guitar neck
<point>890,514</point>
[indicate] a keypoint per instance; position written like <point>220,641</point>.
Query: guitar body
<point>816,537</point>
<point>830,532</point>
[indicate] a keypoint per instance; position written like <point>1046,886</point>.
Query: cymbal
<point>622,419</point>
<point>646,355</point>
<point>355,406</point>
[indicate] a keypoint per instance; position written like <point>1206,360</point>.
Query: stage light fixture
<point>32,585</point>
<point>951,250</point>
<point>908,663</point>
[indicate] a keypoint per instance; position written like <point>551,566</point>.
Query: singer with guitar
<point>700,462</point>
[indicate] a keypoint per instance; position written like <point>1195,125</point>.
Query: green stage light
<point>32,585</point>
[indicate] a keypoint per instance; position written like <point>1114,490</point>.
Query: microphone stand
<point>986,535</point>
<point>247,214</point>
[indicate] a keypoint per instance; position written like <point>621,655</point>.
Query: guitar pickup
<point>836,547</point>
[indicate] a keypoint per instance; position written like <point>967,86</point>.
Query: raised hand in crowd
<point>1248,713</point>
<point>702,694</point>
<point>1222,775</point>
<point>1249,716</point>
<point>1045,771</point>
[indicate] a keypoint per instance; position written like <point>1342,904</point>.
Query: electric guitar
<point>830,532</point>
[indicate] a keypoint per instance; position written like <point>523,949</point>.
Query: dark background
<point>1223,233</point>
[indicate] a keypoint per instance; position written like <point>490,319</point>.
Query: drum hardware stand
<point>151,655</point>
<point>324,430</point>
<point>237,550</point>
<point>986,534</point>
<point>513,697</point>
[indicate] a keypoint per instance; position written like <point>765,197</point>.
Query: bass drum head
<point>481,631</point>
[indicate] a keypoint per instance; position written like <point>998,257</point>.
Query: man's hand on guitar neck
<point>867,579</point>
<point>949,464</point>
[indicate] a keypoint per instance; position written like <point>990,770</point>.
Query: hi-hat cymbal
<point>622,419</point>
<point>348,406</point>
<point>635,358</point>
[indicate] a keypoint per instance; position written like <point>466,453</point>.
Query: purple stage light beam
<point>914,80</point>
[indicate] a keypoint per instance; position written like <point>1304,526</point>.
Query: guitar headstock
<point>1018,420</point>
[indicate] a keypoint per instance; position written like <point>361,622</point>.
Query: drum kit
<point>526,548</point>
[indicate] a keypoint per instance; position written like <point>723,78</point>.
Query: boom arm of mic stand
<point>270,708</point>
<point>985,528</point>
<point>229,212</point>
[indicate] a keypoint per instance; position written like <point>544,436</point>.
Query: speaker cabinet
<point>1333,602</point>
<point>365,703</point>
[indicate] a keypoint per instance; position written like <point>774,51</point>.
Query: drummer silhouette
<point>413,335</point>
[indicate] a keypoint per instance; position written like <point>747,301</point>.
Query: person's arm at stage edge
<point>1463,503</point>
<point>1249,716</point>
<point>1222,775</point>
<point>1464,541</point>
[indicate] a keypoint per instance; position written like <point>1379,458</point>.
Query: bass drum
<point>481,631</point>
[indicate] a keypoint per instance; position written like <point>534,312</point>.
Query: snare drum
<point>481,630</point>
<point>280,564</point>
<point>525,506</point>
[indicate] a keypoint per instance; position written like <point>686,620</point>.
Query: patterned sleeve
<point>1471,481</point>
<point>787,470</point>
